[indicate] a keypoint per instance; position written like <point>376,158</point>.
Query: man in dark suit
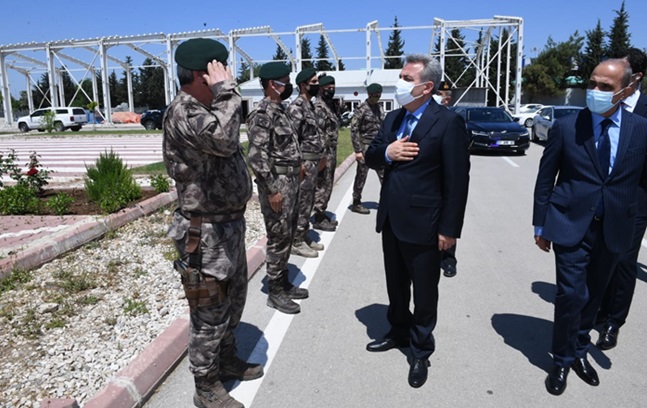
<point>423,148</point>
<point>585,205</point>
<point>617,298</point>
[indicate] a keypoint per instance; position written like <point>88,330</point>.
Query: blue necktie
<point>604,158</point>
<point>604,146</point>
<point>409,120</point>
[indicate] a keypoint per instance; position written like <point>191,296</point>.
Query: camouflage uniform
<point>202,153</point>
<point>363,129</point>
<point>304,122</point>
<point>273,142</point>
<point>328,121</point>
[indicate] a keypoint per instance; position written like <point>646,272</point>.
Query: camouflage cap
<point>326,80</point>
<point>444,86</point>
<point>196,53</point>
<point>305,75</point>
<point>274,70</point>
<point>374,88</point>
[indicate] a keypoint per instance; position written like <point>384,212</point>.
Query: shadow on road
<point>545,290</point>
<point>530,335</point>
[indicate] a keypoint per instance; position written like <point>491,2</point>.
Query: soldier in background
<point>302,114</point>
<point>365,124</point>
<point>275,159</point>
<point>202,153</point>
<point>328,116</point>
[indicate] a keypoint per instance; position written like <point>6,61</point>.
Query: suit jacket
<point>565,207</point>
<point>426,196</point>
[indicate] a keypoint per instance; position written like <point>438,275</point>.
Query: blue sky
<point>40,20</point>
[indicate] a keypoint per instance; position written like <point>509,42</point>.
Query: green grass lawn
<point>344,149</point>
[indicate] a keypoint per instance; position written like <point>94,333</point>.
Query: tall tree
<point>151,85</point>
<point>322,56</point>
<point>619,36</point>
<point>279,55</point>
<point>394,48</point>
<point>342,67</point>
<point>243,71</point>
<point>113,84</point>
<point>594,50</point>
<point>494,48</point>
<point>545,76</point>
<point>456,62</point>
<point>306,54</point>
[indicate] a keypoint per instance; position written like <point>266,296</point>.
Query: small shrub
<point>110,183</point>
<point>160,183</point>
<point>48,120</point>
<point>135,307</point>
<point>60,203</point>
<point>37,177</point>
<point>19,199</point>
<point>12,281</point>
<point>57,322</point>
<point>74,284</point>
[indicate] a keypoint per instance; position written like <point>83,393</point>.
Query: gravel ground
<point>75,322</point>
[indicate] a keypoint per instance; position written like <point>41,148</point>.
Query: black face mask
<point>287,92</point>
<point>313,90</point>
<point>327,94</point>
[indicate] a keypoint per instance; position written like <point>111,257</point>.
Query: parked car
<point>527,114</point>
<point>152,119</point>
<point>493,129</point>
<point>65,118</point>
<point>546,117</point>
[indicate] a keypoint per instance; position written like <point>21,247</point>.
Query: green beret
<point>274,70</point>
<point>444,86</point>
<point>196,53</point>
<point>305,75</point>
<point>374,88</point>
<point>326,80</point>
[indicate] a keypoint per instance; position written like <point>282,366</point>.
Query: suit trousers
<point>583,272</point>
<point>407,263</point>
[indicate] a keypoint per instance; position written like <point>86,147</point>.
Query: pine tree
<point>394,48</point>
<point>594,51</point>
<point>342,67</point>
<point>243,72</point>
<point>455,61</point>
<point>113,83</point>
<point>306,54</point>
<point>619,36</point>
<point>322,56</point>
<point>279,55</point>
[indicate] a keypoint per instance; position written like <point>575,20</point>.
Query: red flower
<point>32,171</point>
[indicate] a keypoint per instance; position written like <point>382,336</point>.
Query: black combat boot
<point>322,223</point>
<point>357,207</point>
<point>292,291</point>
<point>210,394</point>
<point>233,368</point>
<point>280,300</point>
<point>330,220</point>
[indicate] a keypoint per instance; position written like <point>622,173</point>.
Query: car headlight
<point>477,133</point>
<point>524,134</point>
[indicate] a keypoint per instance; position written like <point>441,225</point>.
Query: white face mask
<point>403,92</point>
<point>600,101</point>
<point>438,99</point>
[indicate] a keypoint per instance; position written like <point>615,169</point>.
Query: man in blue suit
<point>619,294</point>
<point>423,148</point>
<point>585,205</point>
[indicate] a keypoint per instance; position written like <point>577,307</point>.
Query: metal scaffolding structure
<point>53,58</point>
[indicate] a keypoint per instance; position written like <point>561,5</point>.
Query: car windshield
<point>563,112</point>
<point>488,115</point>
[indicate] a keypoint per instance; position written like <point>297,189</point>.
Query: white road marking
<point>510,162</point>
<point>274,333</point>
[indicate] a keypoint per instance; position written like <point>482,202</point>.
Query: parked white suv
<point>66,118</point>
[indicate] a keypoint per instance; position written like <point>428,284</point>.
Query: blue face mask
<point>600,101</point>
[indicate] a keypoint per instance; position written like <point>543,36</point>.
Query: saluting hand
<point>402,150</point>
<point>216,72</point>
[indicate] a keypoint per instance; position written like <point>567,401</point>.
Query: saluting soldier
<point>365,124</point>
<point>275,158</point>
<point>202,153</point>
<point>328,117</point>
<point>302,114</point>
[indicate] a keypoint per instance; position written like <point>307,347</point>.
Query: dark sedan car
<point>494,129</point>
<point>152,119</point>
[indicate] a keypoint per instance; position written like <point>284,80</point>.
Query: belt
<point>311,156</point>
<point>213,217</point>
<point>286,170</point>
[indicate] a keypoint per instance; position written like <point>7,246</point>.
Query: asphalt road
<point>494,328</point>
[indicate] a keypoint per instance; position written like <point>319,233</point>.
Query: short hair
<point>637,59</point>
<point>265,82</point>
<point>626,73</point>
<point>431,69</point>
<point>184,75</point>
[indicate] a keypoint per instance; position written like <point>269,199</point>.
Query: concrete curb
<point>136,382</point>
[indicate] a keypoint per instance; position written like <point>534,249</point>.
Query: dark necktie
<point>409,120</point>
<point>604,146</point>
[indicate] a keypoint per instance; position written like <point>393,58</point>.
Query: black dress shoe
<point>418,372</point>
<point>609,337</point>
<point>586,372</point>
<point>556,380</point>
<point>385,344</point>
